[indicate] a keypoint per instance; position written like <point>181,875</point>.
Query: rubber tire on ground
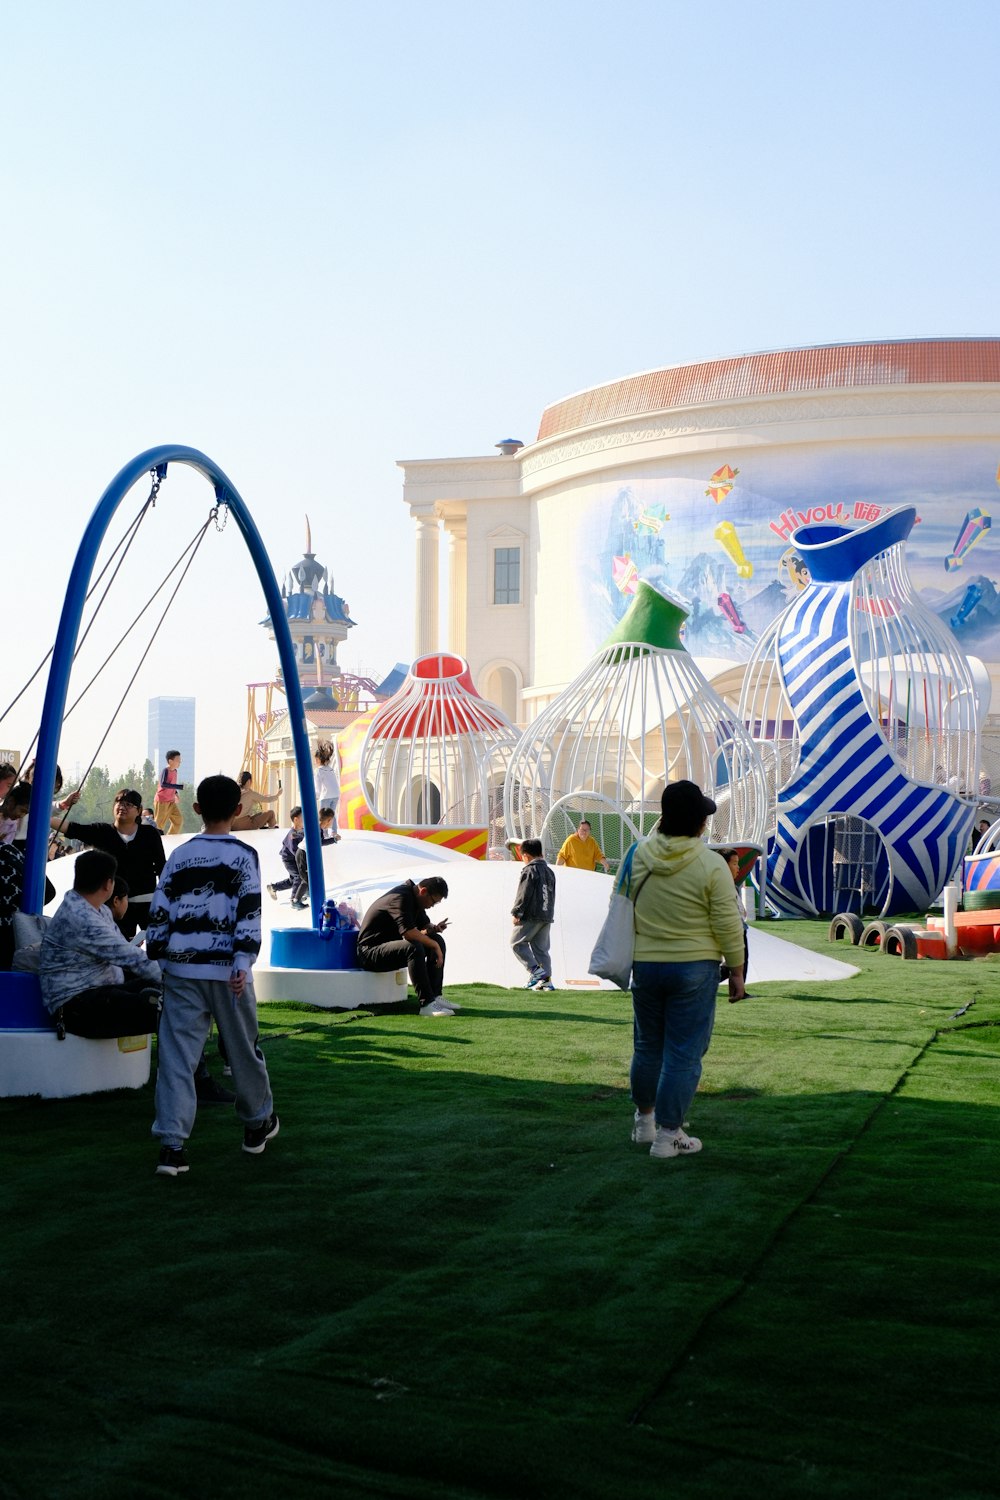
<point>874,935</point>
<point>900,942</point>
<point>846,925</point>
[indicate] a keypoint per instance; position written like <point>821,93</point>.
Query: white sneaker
<point>436,1008</point>
<point>674,1143</point>
<point>451,1004</point>
<point>644,1129</point>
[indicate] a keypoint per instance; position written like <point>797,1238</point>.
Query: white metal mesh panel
<point>767,715</point>
<point>915,678</point>
<point>636,717</point>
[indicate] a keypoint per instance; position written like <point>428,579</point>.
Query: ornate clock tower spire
<point>319,620</point>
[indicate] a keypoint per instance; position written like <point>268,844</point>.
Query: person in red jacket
<point>165,806</point>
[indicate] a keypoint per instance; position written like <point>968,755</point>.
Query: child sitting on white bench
<point>83,956</point>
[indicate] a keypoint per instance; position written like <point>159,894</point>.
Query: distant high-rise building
<point>171,727</point>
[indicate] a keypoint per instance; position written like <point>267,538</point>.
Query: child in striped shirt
<point>204,929</point>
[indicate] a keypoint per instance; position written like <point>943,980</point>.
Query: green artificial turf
<point>452,1275</point>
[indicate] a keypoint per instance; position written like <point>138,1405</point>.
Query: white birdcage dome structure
<point>640,714</point>
<point>437,752</point>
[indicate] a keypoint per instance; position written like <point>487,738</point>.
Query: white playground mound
<point>480,895</point>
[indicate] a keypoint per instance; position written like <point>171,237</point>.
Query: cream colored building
<point>694,477</point>
<point>487,523</point>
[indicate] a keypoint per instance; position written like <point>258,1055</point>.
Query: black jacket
<point>140,862</point>
<point>536,893</point>
<point>396,912</point>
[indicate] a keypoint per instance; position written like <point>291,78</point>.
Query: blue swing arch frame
<point>158,460</point>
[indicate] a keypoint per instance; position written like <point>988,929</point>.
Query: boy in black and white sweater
<point>204,929</point>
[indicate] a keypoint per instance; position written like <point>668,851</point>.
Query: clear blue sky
<point>312,239</point>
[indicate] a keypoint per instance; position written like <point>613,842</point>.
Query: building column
<point>457,573</point>
<point>427,583</point>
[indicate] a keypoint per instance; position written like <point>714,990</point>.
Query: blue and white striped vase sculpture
<point>864,709</point>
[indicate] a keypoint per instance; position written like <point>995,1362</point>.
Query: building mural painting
<point>726,544</point>
<point>700,479</point>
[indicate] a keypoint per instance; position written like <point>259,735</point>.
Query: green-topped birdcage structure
<point>639,715</point>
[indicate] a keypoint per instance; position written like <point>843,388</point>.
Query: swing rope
<point>194,542</point>
<point>150,501</point>
<point>125,541</point>
<point>193,550</point>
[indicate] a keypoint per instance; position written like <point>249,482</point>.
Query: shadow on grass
<point>812,999</point>
<point>440,1281</point>
<point>533,1013</point>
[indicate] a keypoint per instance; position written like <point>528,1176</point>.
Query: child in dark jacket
<point>533,911</point>
<point>327,835</point>
<point>289,849</point>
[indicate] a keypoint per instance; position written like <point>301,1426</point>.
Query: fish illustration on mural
<point>972,530</point>
<point>720,483</point>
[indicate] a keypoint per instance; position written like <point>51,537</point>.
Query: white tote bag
<point>612,955</point>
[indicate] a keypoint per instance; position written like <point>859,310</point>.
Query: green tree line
<point>97,796</point>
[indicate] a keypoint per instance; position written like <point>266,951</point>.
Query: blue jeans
<point>674,1010</point>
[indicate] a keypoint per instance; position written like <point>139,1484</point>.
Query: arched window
<point>500,686</point>
<point>428,803</point>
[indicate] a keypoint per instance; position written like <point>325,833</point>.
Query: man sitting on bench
<point>396,931</point>
<point>83,955</point>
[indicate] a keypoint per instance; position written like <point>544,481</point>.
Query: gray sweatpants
<point>188,1008</point>
<point>530,942</point>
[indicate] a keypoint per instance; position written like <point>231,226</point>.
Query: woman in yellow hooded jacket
<point>687,920</point>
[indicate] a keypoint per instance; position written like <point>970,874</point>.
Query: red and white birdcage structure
<point>430,763</point>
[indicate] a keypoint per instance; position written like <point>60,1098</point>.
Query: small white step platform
<point>330,989</point>
<point>37,1062</point>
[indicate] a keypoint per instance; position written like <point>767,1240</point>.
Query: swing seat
<point>329,989</point>
<point>33,1061</point>
<point>307,969</point>
<point>304,948</point>
<point>21,1005</point>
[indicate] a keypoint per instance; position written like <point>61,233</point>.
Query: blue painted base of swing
<point>34,1062</point>
<point>303,948</point>
<point>21,1005</point>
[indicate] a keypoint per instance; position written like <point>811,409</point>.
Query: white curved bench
<point>37,1062</point>
<point>331,989</point>
<point>34,1061</point>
